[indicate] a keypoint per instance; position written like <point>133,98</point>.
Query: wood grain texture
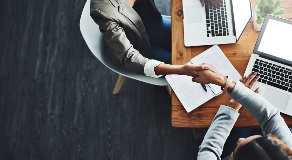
<point>238,53</point>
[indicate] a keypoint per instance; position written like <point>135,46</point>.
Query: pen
<point>204,87</point>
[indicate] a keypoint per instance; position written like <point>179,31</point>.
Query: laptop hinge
<point>276,59</point>
<point>233,22</point>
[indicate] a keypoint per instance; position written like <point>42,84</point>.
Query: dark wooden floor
<point>55,97</point>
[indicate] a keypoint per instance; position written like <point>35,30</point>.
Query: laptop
<point>209,25</point>
<point>272,60</point>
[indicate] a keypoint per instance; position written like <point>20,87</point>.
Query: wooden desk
<point>238,53</point>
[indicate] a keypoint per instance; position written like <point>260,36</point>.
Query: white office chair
<point>93,38</point>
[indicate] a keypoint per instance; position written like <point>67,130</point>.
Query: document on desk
<point>191,94</point>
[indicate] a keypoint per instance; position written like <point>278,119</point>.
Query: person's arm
<point>266,114</point>
<point>131,58</point>
<point>186,69</point>
<point>215,138</point>
<point>269,118</point>
<point>116,39</point>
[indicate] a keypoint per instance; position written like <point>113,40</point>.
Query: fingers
<point>201,67</point>
<point>206,66</point>
<point>253,81</point>
<point>212,68</point>
<point>194,79</point>
<point>249,79</point>
<point>215,3</point>
<point>257,90</point>
<point>243,80</point>
<point>195,74</point>
<point>202,1</point>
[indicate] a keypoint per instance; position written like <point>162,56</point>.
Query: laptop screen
<point>241,15</point>
<point>276,40</point>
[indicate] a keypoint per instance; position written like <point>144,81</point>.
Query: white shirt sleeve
<point>149,68</point>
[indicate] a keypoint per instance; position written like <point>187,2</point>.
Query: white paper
<point>191,94</point>
<point>217,58</point>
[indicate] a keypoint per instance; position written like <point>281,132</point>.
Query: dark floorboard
<point>55,97</point>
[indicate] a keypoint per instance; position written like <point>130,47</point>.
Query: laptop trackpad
<point>193,13</point>
<point>278,99</point>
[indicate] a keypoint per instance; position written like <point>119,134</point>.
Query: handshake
<point>205,74</point>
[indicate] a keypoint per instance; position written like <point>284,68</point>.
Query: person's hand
<point>233,104</point>
<point>249,82</point>
<point>214,3</point>
<point>192,70</point>
<point>203,2</point>
<point>209,76</point>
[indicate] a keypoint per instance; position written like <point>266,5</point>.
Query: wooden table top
<point>238,53</point>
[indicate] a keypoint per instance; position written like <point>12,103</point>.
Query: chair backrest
<point>93,38</point>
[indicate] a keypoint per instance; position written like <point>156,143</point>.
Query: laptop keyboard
<point>216,19</point>
<point>274,75</point>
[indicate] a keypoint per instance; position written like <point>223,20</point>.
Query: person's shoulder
<point>100,4</point>
<point>101,8</point>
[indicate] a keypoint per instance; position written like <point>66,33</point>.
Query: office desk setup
<point>238,53</point>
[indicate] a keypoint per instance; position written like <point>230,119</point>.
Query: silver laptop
<point>211,25</point>
<point>272,60</point>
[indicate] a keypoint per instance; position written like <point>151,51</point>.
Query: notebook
<point>191,94</point>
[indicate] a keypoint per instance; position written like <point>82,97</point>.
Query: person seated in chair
<point>137,36</point>
<point>277,140</point>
